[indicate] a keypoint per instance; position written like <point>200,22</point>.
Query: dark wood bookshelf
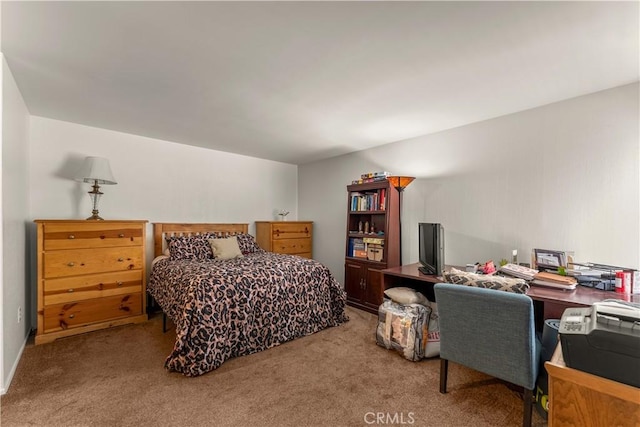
<point>363,277</point>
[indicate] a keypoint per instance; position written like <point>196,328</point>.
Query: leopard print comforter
<point>228,308</point>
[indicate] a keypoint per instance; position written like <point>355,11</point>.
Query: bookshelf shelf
<point>368,212</point>
<point>380,264</point>
<point>372,241</point>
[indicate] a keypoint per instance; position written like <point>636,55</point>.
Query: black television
<point>431,248</point>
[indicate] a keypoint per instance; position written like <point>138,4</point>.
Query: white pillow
<point>225,248</point>
<point>406,296</point>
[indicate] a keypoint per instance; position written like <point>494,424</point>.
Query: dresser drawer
<point>88,261</point>
<point>91,235</point>
<point>78,288</point>
<point>292,246</point>
<point>75,314</point>
<point>290,230</point>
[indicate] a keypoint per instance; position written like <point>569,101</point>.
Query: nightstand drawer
<point>91,235</point>
<point>292,246</point>
<point>69,289</point>
<point>74,314</point>
<point>88,261</point>
<point>290,231</point>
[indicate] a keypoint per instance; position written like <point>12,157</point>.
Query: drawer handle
<point>120,259</point>
<point>121,235</point>
<point>120,283</point>
<point>71,264</point>
<point>102,236</point>
<point>70,290</point>
<point>71,316</point>
<point>71,236</point>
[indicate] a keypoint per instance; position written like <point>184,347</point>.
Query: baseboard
<point>7,382</point>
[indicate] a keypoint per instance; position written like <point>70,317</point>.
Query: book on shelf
<point>373,240</point>
<point>368,180</point>
<point>382,174</point>
<point>357,247</point>
<point>369,201</point>
<point>360,253</point>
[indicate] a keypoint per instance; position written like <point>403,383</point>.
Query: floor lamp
<point>400,183</point>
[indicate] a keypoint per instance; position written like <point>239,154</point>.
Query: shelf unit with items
<point>622,279</point>
<point>372,241</point>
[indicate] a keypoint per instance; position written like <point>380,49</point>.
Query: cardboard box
<point>374,252</point>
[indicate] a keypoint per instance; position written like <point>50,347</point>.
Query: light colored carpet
<point>337,377</point>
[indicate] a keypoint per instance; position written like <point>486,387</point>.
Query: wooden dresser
<point>578,398</point>
<point>285,237</point>
<point>91,275</point>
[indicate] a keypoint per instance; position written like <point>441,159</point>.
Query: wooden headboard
<point>163,229</point>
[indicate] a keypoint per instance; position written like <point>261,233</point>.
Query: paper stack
<point>554,281</point>
<point>520,271</point>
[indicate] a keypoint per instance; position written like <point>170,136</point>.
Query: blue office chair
<point>490,331</point>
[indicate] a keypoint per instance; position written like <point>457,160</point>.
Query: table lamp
<point>96,171</point>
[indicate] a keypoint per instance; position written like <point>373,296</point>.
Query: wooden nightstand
<point>285,237</point>
<point>91,275</point>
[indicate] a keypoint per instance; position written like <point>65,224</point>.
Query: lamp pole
<point>400,183</point>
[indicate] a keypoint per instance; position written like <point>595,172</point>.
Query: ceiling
<point>298,82</point>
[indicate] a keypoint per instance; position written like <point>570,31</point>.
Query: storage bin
<point>374,252</point>
<point>404,328</point>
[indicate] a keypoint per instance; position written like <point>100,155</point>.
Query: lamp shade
<point>96,170</point>
<point>400,182</point>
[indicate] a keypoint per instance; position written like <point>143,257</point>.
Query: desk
<point>550,303</point>
<point>577,398</point>
<point>411,277</point>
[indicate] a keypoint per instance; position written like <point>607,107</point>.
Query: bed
<point>225,308</point>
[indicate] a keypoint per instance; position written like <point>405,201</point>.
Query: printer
<point>603,340</point>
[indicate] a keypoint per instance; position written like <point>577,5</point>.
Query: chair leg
<point>444,367</point>
<point>528,407</point>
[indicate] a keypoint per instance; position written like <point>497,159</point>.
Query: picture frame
<point>549,259</point>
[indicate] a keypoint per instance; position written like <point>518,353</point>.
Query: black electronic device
<point>431,248</point>
<point>603,340</point>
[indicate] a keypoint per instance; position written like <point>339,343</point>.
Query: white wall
<point>563,176</point>
<point>158,181</point>
<point>15,292</point>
